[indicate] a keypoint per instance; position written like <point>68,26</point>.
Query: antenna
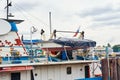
<point>8,4</point>
<point>50,21</point>
<point>7,8</point>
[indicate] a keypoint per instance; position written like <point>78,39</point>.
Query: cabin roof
<point>14,20</point>
<point>51,63</point>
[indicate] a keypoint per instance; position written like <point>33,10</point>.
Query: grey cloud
<point>25,6</point>
<point>107,18</point>
<point>112,23</point>
<point>98,11</point>
<point>115,23</point>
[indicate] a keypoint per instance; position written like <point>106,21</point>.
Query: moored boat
<point>35,60</point>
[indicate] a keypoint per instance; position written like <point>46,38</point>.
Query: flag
<point>76,32</point>
<point>9,4</point>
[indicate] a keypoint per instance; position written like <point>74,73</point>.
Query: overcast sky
<point>100,19</point>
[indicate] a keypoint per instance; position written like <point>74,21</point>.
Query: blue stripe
<point>13,26</point>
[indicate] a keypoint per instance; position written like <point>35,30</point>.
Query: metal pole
<point>67,31</point>
<point>50,22</point>
<point>7,8</point>
<point>107,57</point>
<point>31,52</point>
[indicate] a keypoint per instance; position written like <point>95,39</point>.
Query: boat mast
<point>7,8</point>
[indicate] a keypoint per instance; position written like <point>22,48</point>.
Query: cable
<point>36,18</point>
<point>20,10</point>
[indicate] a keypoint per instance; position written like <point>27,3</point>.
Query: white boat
<point>16,63</point>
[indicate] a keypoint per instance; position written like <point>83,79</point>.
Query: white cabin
<point>68,70</point>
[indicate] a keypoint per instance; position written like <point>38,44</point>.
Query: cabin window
<point>69,70</point>
<point>87,71</point>
<point>15,76</point>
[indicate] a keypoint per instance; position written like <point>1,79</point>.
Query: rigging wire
<point>26,14</point>
<point>2,10</point>
<point>23,14</point>
<point>36,18</point>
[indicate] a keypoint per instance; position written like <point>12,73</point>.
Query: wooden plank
<point>104,69</point>
<point>113,69</point>
<point>118,68</point>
